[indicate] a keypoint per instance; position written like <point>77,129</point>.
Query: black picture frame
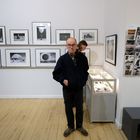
<point>111,49</point>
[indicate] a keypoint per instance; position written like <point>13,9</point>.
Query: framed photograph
<point>2,35</point>
<point>41,33</point>
<point>0,60</point>
<point>89,35</point>
<point>19,36</point>
<point>61,35</point>
<point>136,68</point>
<point>130,38</point>
<point>17,57</point>
<point>111,49</point>
<point>129,64</point>
<point>46,57</point>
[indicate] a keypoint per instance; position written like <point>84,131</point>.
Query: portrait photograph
<point>41,33</point>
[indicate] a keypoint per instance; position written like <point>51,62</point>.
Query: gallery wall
<point>62,14</point>
<point>119,15</point>
<point>15,14</point>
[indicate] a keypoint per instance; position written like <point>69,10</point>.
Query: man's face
<point>71,45</point>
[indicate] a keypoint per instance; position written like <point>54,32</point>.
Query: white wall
<point>119,15</point>
<point>62,14</point>
<point>35,82</point>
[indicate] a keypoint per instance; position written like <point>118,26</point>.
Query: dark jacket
<point>75,73</point>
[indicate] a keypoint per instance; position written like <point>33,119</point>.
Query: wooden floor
<point>44,119</point>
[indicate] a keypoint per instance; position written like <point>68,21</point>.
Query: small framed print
<point>17,57</point>
<point>62,35</point>
<point>41,33</point>
<point>46,57</point>
<point>2,35</point>
<point>89,35</point>
<point>111,49</point>
<point>19,36</point>
<point>0,60</point>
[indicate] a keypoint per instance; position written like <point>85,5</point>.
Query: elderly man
<point>71,72</point>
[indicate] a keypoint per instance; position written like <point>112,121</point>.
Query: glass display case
<point>101,95</point>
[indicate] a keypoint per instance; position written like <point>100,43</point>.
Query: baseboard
<point>118,124</point>
<point>30,96</point>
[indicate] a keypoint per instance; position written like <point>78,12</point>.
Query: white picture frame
<point>41,33</point>
<point>17,57</point>
<point>89,35</point>
<point>46,57</point>
<point>2,35</point>
<point>61,35</point>
<point>0,60</point>
<point>19,36</point>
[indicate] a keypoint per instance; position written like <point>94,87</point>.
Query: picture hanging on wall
<point>19,36</point>
<point>132,52</point>
<point>2,35</point>
<point>41,33</point>
<point>89,35</point>
<point>46,57</point>
<point>17,57</point>
<point>131,34</point>
<point>111,49</point>
<point>61,35</point>
<point>0,59</point>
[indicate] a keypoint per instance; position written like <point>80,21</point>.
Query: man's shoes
<point>83,131</point>
<point>68,131</point>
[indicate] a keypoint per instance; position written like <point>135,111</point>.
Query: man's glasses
<point>71,45</point>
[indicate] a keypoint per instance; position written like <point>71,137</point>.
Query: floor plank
<point>44,119</point>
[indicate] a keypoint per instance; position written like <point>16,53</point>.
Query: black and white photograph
<point>136,69</point>
<point>137,41</point>
<point>2,35</point>
<point>129,64</point>
<point>41,32</point>
<point>111,49</point>
<point>19,36</point>
<point>89,35</point>
<point>17,57</point>
<point>130,38</point>
<point>62,35</point>
<point>130,50</point>
<point>47,57</point>
<point>0,59</point>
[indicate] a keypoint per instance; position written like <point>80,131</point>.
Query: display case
<point>101,95</point>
